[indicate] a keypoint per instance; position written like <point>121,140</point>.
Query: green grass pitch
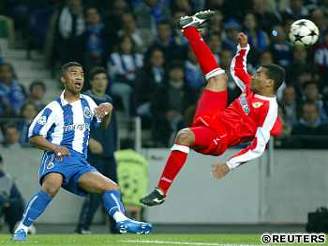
<point>141,240</point>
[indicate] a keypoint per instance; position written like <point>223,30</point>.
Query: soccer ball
<point>303,32</point>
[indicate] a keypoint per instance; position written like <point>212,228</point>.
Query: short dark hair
<point>67,65</point>
<point>37,83</point>
<point>95,71</point>
<point>276,73</point>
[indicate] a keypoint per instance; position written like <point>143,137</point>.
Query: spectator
<point>215,44</point>
<point>37,91</point>
<point>102,145</point>
<point>299,71</point>
<point>169,103</point>
<point>319,17</point>
<point>69,28</point>
<point>310,122</point>
<point>216,23</point>
<point>280,47</point>
<point>321,56</point>
<point>151,12</point>
<point>11,136</point>
<point>129,28</point>
<point>28,112</point>
<point>265,58</point>
<point>95,40</point>
<point>150,77</point>
<point>11,201</point>
<point>114,15</point>
<point>122,67</point>
<point>256,36</point>
<point>312,95</point>
<point>193,75</point>
<point>295,10</point>
<point>267,17</point>
<point>166,42</point>
<point>232,28</point>
<point>289,106</point>
<point>12,94</point>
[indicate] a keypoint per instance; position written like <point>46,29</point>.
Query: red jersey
<point>250,117</point>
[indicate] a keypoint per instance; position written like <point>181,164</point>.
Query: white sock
<point>119,216</point>
<point>22,226</point>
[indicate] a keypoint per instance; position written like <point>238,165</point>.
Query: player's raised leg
<point>95,182</point>
<point>216,84</point>
<point>39,202</point>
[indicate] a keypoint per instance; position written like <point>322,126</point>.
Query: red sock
<point>203,53</point>
<point>174,163</point>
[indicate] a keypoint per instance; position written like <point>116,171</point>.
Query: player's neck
<point>71,97</point>
<point>266,93</point>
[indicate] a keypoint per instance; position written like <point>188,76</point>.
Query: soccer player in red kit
<point>253,116</point>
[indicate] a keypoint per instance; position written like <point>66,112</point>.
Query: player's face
<point>99,82</point>
<point>73,79</point>
<point>259,80</point>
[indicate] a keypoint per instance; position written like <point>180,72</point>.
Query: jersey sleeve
<point>238,69</point>
<point>256,148</point>
<point>42,122</point>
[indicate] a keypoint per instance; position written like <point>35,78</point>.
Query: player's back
<point>241,119</point>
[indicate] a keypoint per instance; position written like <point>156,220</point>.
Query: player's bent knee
<point>217,83</point>
<point>52,183</point>
<point>185,137</point>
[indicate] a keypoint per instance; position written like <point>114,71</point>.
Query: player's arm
<point>256,147</point>
<point>38,131</point>
<point>238,67</point>
<point>42,143</point>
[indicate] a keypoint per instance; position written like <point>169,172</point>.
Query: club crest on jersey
<point>42,121</point>
<point>87,112</point>
<point>50,165</point>
<point>244,104</point>
<point>257,104</point>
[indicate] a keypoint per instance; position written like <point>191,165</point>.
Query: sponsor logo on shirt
<point>79,127</point>
<point>244,104</point>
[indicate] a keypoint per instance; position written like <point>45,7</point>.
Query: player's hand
<point>220,170</point>
<point>242,40</point>
<point>61,151</point>
<point>103,109</point>
<point>95,147</point>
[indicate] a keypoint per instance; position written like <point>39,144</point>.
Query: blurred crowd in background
<point>153,73</point>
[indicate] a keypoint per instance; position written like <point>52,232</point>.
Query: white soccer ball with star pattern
<point>303,32</point>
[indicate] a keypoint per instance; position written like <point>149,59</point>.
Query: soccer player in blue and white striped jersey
<point>62,130</point>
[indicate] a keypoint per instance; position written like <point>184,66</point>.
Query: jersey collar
<point>265,98</point>
<point>63,100</point>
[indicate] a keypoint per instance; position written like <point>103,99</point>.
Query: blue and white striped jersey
<point>66,124</point>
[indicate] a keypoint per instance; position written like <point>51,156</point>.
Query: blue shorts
<point>71,167</point>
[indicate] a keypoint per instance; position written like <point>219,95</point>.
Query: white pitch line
<point>185,243</point>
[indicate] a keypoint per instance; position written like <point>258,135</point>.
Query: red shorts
<point>207,140</point>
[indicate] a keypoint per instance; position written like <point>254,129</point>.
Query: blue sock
<point>112,202</point>
<point>35,207</point>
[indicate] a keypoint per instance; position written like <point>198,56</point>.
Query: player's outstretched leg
<point>97,183</point>
<point>36,206</point>
<point>176,160</point>
<point>205,57</point>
